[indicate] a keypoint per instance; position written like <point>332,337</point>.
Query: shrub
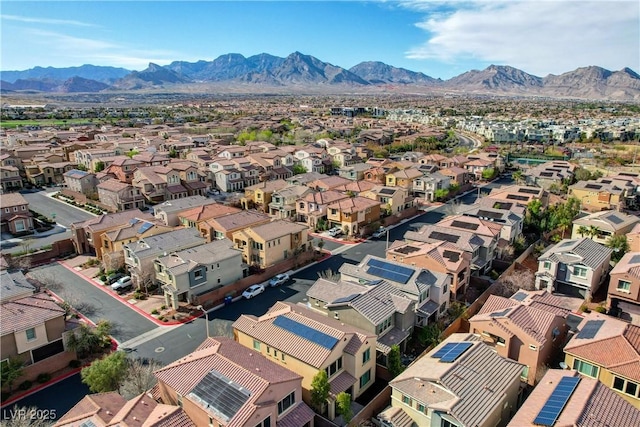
<point>154,311</point>
<point>601,309</point>
<point>25,385</point>
<point>43,377</point>
<point>161,318</point>
<point>163,307</point>
<point>75,363</point>
<point>165,320</point>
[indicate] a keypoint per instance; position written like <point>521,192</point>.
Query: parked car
<point>379,233</point>
<point>280,279</point>
<point>112,278</point>
<point>253,291</point>
<point>122,284</point>
<point>335,231</point>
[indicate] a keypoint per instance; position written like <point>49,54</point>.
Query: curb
<point>125,302</point>
<point>342,242</point>
<point>40,387</point>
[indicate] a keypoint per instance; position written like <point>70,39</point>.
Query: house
<point>119,195</point>
<point>169,211</point>
<point>107,409</point>
<point>574,267</point>
<point>15,216</point>
<point>123,168</point>
<point>600,226</point>
<point>14,285</point>
<point>426,185</point>
<point>623,295</point>
<point>477,167</point>
<point>32,329</point>
<point>438,256</point>
<point>195,216</point>
<point>267,244</point>
<point>224,226</point>
<point>461,382</point>
<point>392,200</point>
<point>586,402</point>
<point>188,273</point>
<point>597,195</point>
<point>354,172</point>
<point>306,341</point>
<point>511,222</point>
<point>223,383</point>
<point>81,182</point>
<point>10,179</point>
<point>430,290</point>
<point>402,178</point>
<point>633,238</point>
<point>48,173</point>
<point>312,208</point>
<point>87,235</point>
<point>518,331</point>
<point>283,202</point>
<point>353,214</point>
<point>547,174</point>
<point>258,196</point>
<point>457,175</point>
<point>520,195</point>
<point>608,350</point>
<point>140,254</point>
<point>376,307</point>
<point>328,183</point>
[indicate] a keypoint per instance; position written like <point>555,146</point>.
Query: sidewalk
<point>144,307</point>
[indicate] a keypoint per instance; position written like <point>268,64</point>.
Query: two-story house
<point>429,289</point>
<point>120,195</point>
<point>426,185</point>
<point>511,222</point>
<point>197,270</point>
<point>140,254</point>
<point>461,382</point>
<point>354,172</point>
<point>306,341</point>
<point>283,202</point>
<point>224,226</point>
<point>573,267</point>
<point>402,178</point>
<point>623,296</point>
<point>258,196</point>
<point>353,214</point>
<point>600,226</point>
<point>195,216</point>
<point>598,195</point>
<point>313,206</point>
<point>377,307</point>
<point>15,217</point>
<point>440,257</point>
<point>169,211</point>
<point>10,179</point>
<point>392,200</point>
<point>267,244</point>
<point>607,349</point>
<point>82,182</point>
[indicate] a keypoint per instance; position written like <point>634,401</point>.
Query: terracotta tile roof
<point>277,228</point>
<point>12,199</point>
<point>103,407</point>
<point>626,266</point>
<point>213,210</point>
<point>341,383</point>
<point>353,204</point>
<point>397,417</point>
<point>106,221</point>
<point>298,416</point>
<point>168,416</point>
<point>28,312</point>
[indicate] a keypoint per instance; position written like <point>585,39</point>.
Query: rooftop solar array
<point>145,227</point>
<point>519,296</point>
<point>465,225</point>
<point>387,270</point>
<point>634,259</point>
<point>590,329</point>
<point>516,197</point>
<point>133,221</point>
<point>551,410</point>
<point>451,255</point>
<point>490,214</point>
<point>451,351</point>
<point>387,191</point>
<point>346,299</point>
<point>615,219</point>
<point>528,191</point>
<point>306,332</point>
<point>407,249</point>
<point>437,235</point>
<point>219,393</point>
<point>501,205</point>
<point>593,186</point>
<point>546,174</point>
<point>501,313</point>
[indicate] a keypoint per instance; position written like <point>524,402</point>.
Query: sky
<point>439,38</point>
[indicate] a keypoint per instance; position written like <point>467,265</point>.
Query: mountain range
<point>299,72</point>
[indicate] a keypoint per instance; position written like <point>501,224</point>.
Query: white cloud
<point>539,37</point>
<point>30,20</point>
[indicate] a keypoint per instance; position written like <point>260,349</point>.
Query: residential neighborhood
<point>319,268</point>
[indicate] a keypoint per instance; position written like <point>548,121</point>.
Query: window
<point>421,407</point>
<point>532,347</point>
<point>625,386</point>
<point>585,368</point>
<point>444,290</point>
<point>525,372</point>
<point>265,423</point>
<point>446,423</point>
<point>6,210</point>
<point>624,286</point>
<point>579,271</point>
<point>406,400</point>
<point>180,400</point>
<point>366,355</point>
<point>334,367</point>
<point>547,265</point>
<point>31,334</point>
<point>287,402</point>
<point>365,378</point>
<point>198,274</point>
<point>256,345</point>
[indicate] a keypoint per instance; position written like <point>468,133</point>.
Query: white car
<point>335,231</point>
<point>379,233</point>
<point>280,279</point>
<point>253,291</point>
<point>122,284</point>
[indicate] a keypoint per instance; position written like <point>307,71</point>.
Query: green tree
<point>10,371</point>
<point>320,388</point>
<point>132,153</point>
<point>517,176</point>
<point>298,169</point>
<point>441,193</point>
<point>429,335</point>
<point>620,246</point>
<point>106,374</point>
<point>582,174</point>
<point>343,400</point>
<point>81,167</point>
<point>583,230</point>
<point>394,363</point>
<point>488,173</point>
<point>593,231</point>
<point>99,166</point>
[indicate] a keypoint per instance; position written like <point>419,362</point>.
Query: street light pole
<point>206,318</point>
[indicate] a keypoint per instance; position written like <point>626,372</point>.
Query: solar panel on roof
<point>387,270</point>
<point>615,219</point>
<point>528,191</point>
<point>444,237</point>
<point>451,351</point>
<point>489,214</point>
<point>593,186</point>
<point>306,332</point>
<point>546,174</point>
<point>634,259</point>
<point>590,329</point>
<point>346,299</point>
<point>145,227</point>
<point>516,197</point>
<point>465,225</point>
<point>451,255</point>
<point>557,401</point>
<point>133,221</point>
<point>501,313</point>
<point>387,191</point>
<point>221,394</point>
<point>519,296</point>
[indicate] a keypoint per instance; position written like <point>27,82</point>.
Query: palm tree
<point>517,176</point>
<point>620,246</point>
<point>593,231</point>
<point>583,230</point>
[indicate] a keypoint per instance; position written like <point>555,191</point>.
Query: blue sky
<point>439,38</point>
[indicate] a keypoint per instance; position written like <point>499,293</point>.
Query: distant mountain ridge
<point>299,71</point>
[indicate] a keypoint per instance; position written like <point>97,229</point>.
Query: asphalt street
<point>63,213</point>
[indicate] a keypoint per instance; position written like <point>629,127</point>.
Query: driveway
<point>94,303</point>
